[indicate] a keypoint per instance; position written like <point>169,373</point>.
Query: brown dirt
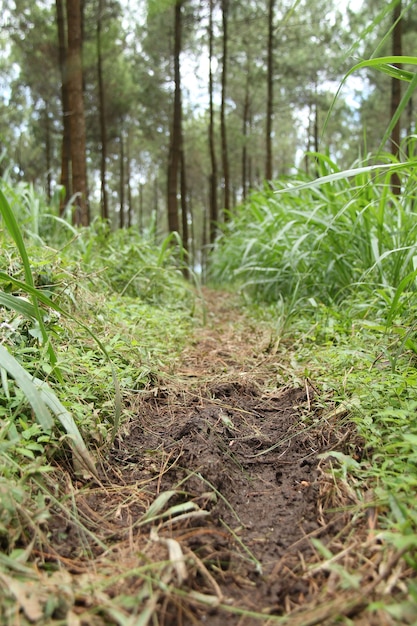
<point>239,453</point>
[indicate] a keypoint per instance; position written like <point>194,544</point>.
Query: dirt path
<point>228,460</point>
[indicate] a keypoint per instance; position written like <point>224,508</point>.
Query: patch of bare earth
<point>212,496</point>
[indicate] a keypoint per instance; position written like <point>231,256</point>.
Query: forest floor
<point>216,498</point>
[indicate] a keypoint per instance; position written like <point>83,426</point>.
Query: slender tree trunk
<point>175,142</point>
<point>122,183</point>
<point>192,261</point>
<point>128,184</point>
<point>225,160</point>
<point>48,155</point>
<point>316,126</point>
<point>156,208</point>
<point>249,156</point>
<point>245,125</point>
<point>65,148</point>
<point>396,95</point>
<point>102,115</point>
<point>140,217</point>
<point>184,211</point>
<point>204,241</point>
<point>308,142</point>
<point>214,214</point>
<point>77,119</point>
<point>270,91</point>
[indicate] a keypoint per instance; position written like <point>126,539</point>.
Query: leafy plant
<point>327,238</point>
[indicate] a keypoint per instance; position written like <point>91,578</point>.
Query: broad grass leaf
<point>25,382</point>
<point>67,421</point>
<point>18,304</point>
<point>44,299</point>
<point>346,174</point>
<point>158,504</point>
<point>41,398</point>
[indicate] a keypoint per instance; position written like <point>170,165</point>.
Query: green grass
<point>341,234</point>
<point>87,318</point>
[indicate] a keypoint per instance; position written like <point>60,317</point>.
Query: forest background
<point>127,127</point>
<point>180,109</point>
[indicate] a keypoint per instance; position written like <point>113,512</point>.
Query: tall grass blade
<point>25,382</point>
<point>41,398</point>
<point>330,178</point>
<point>15,232</point>
<point>44,299</point>
<point>15,303</point>
<point>68,423</point>
<point>385,65</point>
<point>400,109</point>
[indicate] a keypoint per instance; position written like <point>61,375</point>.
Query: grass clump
<point>342,234</point>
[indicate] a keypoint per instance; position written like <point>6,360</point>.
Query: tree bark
<point>102,114</point>
<point>122,182</point>
<point>175,141</point>
<point>65,180</point>
<point>81,214</point>
<point>48,153</point>
<point>140,216</point>
<point>155,221</point>
<point>214,214</point>
<point>129,184</point>
<point>270,91</point>
<point>396,95</point>
<point>223,131</point>
<point>184,211</point>
<point>245,126</point>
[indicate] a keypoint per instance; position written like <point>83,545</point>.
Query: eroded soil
<point>249,461</point>
<point>228,458</point>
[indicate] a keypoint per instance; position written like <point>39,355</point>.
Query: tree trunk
<point>245,126</point>
<point>48,155</point>
<point>225,160</point>
<point>102,115</point>
<point>204,250</point>
<point>396,95</point>
<point>270,91</point>
<point>76,110</point>
<point>192,257</point>
<point>65,180</point>
<point>140,216</point>
<point>128,184</point>
<point>249,156</point>
<point>175,142</point>
<point>122,183</point>
<point>184,211</point>
<point>155,221</point>
<point>214,215</point>
<point>316,125</point>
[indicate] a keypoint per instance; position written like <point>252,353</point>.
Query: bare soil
<point>237,454</point>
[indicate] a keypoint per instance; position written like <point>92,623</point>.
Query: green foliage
<point>324,239</point>
<point>114,307</point>
<point>134,266</point>
<point>371,371</point>
<point>386,66</point>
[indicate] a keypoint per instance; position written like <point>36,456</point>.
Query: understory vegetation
<point>91,317</point>
<point>86,320</point>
